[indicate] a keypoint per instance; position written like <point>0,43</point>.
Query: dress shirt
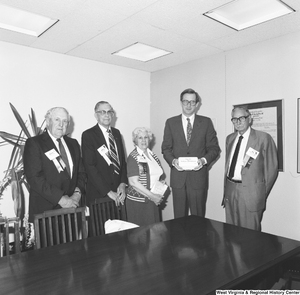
<point>54,139</point>
<point>239,163</point>
<point>185,122</point>
<point>106,136</point>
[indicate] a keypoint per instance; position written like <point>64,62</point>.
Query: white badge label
<point>250,156</point>
<point>252,153</point>
<point>104,152</point>
<point>141,159</point>
<point>52,154</point>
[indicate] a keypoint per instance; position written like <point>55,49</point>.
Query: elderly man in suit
<point>53,166</point>
<point>250,171</point>
<point>185,136</point>
<point>104,157</point>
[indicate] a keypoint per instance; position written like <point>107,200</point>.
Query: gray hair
<point>244,108</point>
<point>50,112</point>
<point>101,102</point>
<point>138,130</point>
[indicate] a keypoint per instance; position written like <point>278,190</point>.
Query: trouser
<point>236,209</point>
<point>187,198</point>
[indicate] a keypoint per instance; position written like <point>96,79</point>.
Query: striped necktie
<point>113,153</point>
<point>63,155</point>
<point>189,130</point>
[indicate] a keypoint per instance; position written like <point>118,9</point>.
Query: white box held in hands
<point>188,163</point>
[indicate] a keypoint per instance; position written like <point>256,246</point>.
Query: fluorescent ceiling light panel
<point>141,52</point>
<point>241,14</point>
<point>24,22</point>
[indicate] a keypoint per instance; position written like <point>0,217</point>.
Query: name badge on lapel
<point>104,152</point>
<point>250,156</point>
<point>53,155</point>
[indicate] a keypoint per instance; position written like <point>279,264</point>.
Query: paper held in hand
<point>159,188</point>
<point>188,163</point>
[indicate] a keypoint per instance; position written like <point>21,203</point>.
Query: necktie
<point>189,130</point>
<point>63,155</point>
<point>113,153</point>
<point>234,158</point>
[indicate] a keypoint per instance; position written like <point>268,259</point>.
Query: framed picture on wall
<point>267,117</point>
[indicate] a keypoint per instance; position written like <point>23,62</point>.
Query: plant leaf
<point>7,141</point>
<point>17,194</point>
<point>20,121</point>
<point>9,138</point>
<point>15,154</point>
<point>41,129</point>
<point>33,123</point>
<point>26,184</point>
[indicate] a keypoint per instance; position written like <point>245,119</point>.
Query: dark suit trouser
<point>236,209</point>
<point>186,198</point>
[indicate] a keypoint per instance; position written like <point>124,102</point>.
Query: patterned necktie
<point>189,130</point>
<point>113,153</point>
<point>234,158</point>
<point>63,155</point>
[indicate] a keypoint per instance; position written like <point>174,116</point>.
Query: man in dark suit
<point>250,171</point>
<point>53,166</point>
<point>189,135</point>
<point>104,157</point>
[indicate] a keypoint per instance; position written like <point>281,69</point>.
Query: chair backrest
<point>59,226</point>
<point>102,210</point>
<point>5,225</point>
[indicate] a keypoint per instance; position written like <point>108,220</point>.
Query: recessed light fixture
<point>241,14</point>
<point>24,22</point>
<point>141,52</point>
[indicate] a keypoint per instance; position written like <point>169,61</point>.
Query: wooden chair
<point>102,210</point>
<point>59,226</point>
<point>5,225</point>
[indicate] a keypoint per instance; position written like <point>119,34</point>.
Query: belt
<point>234,181</point>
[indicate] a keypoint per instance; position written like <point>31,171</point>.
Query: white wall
<point>37,79</point>
<point>269,70</point>
<point>265,71</point>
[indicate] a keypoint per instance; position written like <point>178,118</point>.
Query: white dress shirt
<point>54,139</point>
<point>185,122</point>
<point>239,163</point>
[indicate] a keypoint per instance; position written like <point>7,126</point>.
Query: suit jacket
<point>47,185</point>
<point>203,143</point>
<point>101,176</point>
<point>260,176</point>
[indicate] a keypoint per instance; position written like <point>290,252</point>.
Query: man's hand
<point>67,202</point>
<point>201,163</point>
<point>114,196</point>
<point>175,163</point>
<point>76,196</point>
<point>121,193</point>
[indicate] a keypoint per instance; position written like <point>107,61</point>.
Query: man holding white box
<point>189,146</point>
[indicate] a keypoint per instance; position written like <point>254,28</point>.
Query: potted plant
<point>14,175</point>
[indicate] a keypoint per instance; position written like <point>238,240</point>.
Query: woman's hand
<point>156,198</point>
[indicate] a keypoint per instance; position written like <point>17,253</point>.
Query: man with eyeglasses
<point>104,158</point>
<point>190,146</point>
<point>251,169</point>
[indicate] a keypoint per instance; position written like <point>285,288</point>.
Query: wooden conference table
<point>190,255</point>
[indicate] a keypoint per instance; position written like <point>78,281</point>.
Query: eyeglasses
<point>187,102</point>
<point>102,113</point>
<point>241,119</point>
